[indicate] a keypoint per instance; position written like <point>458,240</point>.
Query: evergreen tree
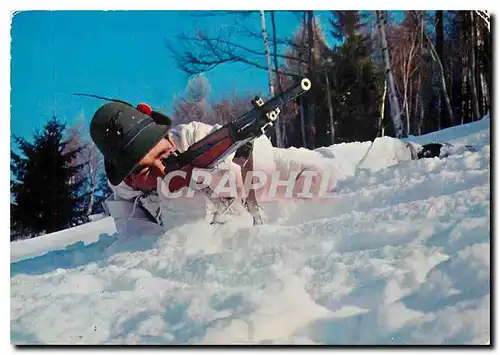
<point>357,84</point>
<point>347,24</point>
<point>103,190</point>
<point>46,191</point>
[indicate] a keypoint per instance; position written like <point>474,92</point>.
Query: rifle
<point>215,147</point>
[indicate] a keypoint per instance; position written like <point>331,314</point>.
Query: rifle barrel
<point>274,102</point>
<point>287,96</point>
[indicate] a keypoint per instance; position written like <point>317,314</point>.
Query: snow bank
<point>85,233</point>
<point>401,257</point>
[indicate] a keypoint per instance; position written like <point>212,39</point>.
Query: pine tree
<point>102,192</point>
<point>46,193</point>
<point>357,84</point>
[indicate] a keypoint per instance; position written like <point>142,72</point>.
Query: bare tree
<point>482,85</point>
<point>393,100</point>
<point>408,70</point>
<point>441,74</point>
<point>472,67</point>
<point>311,72</point>
<point>439,30</point>
<point>305,58</point>
<point>279,124</point>
<point>303,123</point>
<point>463,53</point>
<point>382,111</point>
<point>405,42</point>
<point>420,97</point>
<point>228,109</point>
<point>442,79</point>
<point>482,34</point>
<point>266,50</point>
<point>192,104</point>
<point>90,159</point>
<point>279,141</point>
<point>483,44</point>
<point>204,50</point>
<point>93,167</point>
<point>330,108</point>
<point>201,52</point>
<point>421,107</point>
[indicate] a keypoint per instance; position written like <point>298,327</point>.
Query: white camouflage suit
<point>138,213</point>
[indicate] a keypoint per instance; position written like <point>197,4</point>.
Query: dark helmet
<point>124,135</point>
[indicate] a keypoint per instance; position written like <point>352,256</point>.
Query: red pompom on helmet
<point>145,108</point>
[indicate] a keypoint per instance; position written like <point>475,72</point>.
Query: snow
<point>400,256</point>
<point>70,238</point>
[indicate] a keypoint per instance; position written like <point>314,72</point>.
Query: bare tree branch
<point>212,43</point>
<point>202,52</point>
<point>245,31</point>
<point>442,81</point>
<point>213,51</point>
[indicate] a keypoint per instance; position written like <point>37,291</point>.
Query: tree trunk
<point>465,68</point>
<point>393,100</point>
<point>465,92</point>
<point>407,114</point>
<point>438,25</point>
<point>422,110</point>
<point>416,107</point>
<point>440,123</point>
<point>330,109</point>
<point>486,59</point>
<point>303,115</point>
<point>442,79</point>
<point>303,123</point>
<point>406,83</point>
<point>93,182</point>
<point>439,34</point>
<point>410,108</point>
<point>484,87</point>
<point>465,97</point>
<point>487,62</point>
<point>479,85</point>
<point>311,100</point>
<point>457,82</point>
<point>268,55</point>
<point>269,68</point>
<point>420,96</point>
<point>406,66</point>
<point>280,127</point>
<point>479,45</point>
<point>472,68</point>
<point>382,111</point>
<point>93,164</point>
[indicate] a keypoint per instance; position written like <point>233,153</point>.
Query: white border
<point>254,4</point>
<point>6,16</point>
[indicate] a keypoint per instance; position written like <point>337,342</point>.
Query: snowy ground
<point>401,257</point>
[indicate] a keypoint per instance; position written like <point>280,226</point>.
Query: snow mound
<point>402,256</point>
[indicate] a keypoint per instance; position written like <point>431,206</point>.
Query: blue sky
<point>119,54</point>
